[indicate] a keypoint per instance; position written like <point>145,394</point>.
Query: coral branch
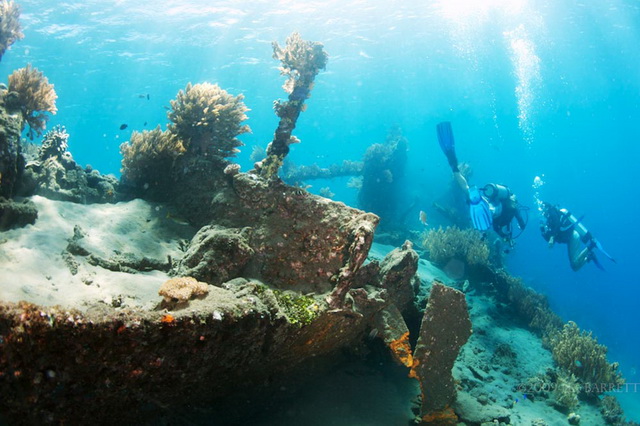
<point>301,62</point>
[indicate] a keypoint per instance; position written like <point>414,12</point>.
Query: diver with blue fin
<point>560,226</point>
<point>494,205</point>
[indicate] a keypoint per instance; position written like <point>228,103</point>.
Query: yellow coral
<point>149,155</point>
<point>578,353</point>
<point>466,245</point>
<point>35,96</point>
<point>10,30</point>
<point>183,289</point>
<point>208,119</point>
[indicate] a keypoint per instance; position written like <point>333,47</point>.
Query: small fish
<point>145,123</point>
<point>578,364</point>
<point>177,220</point>
<point>423,217</point>
<point>143,96</point>
<point>123,126</point>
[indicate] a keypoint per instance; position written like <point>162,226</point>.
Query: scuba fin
<point>481,216</point>
<point>592,257</point>
<point>447,143</point>
<point>599,247</point>
<point>445,137</point>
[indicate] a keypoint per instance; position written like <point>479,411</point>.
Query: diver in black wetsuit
<point>505,208</point>
<point>560,226</point>
<point>493,206</point>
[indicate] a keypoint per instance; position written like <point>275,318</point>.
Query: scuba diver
<point>494,205</point>
<point>560,226</point>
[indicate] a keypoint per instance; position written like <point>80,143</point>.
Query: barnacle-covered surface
<point>445,329</point>
<point>300,240</point>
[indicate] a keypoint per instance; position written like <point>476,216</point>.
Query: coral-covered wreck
<point>222,281</point>
<point>273,277</point>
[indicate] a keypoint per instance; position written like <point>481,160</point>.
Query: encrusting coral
<point>34,95</point>
<point>578,353</point>
<point>148,156</point>
<point>301,62</point>
<point>463,244</point>
<point>208,120</point>
<point>182,289</point>
<point>300,310</point>
<point>10,30</point>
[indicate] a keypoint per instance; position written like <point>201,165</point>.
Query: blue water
<point>547,88</point>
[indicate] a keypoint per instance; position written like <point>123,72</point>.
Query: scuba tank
<point>495,191</point>
<point>570,222</point>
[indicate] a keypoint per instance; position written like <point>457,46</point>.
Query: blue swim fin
<point>445,137</point>
<point>599,247</point>
<point>447,143</point>
<point>592,257</point>
<point>481,217</point>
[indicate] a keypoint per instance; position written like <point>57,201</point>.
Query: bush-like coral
<point>54,143</point>
<point>182,289</point>
<point>566,389</point>
<point>208,119</point>
<point>578,353</point>
<point>35,96</point>
<point>10,30</point>
<point>463,244</point>
<point>529,305</point>
<point>149,156</point>
<point>611,410</point>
